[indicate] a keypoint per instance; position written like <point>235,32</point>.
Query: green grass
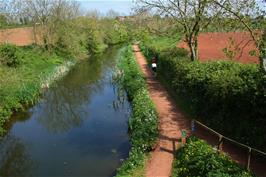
<point>20,86</point>
<point>143,123</point>
<point>161,44</point>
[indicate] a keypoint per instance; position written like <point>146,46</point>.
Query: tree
<point>194,16</point>
<point>243,11</point>
<point>191,15</point>
<point>47,16</point>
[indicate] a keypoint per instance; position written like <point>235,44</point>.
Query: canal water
<point>78,128</point>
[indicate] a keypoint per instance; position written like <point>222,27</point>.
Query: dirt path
<point>171,123</point>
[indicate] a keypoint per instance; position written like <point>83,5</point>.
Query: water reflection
<point>78,128</point>
<point>14,158</point>
<point>64,106</point>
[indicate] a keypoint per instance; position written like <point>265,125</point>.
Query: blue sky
<point>121,6</point>
<point>103,6</point>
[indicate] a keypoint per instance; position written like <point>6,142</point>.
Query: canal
<point>77,128</point>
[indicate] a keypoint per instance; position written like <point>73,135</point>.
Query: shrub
<point>9,55</point>
<point>143,124</point>
<point>197,158</point>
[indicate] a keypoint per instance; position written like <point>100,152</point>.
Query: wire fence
<point>247,156</point>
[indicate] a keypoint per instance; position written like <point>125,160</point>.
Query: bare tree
<point>243,11</point>
<point>194,16</point>
<point>47,16</point>
<point>191,15</point>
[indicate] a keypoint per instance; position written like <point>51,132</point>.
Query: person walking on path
<point>154,64</point>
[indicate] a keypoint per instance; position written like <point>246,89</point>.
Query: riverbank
<point>143,123</point>
<point>21,85</point>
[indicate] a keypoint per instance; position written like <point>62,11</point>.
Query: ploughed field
<point>211,46</point>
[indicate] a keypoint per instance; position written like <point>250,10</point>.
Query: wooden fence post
<point>220,143</point>
<point>249,157</point>
<point>192,126</point>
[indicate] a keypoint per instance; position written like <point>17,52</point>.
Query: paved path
<point>171,123</point>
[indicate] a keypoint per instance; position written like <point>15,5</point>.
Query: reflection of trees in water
<point>66,104</point>
<point>14,161</point>
<point>16,117</point>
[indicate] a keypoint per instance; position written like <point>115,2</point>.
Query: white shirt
<point>153,65</point>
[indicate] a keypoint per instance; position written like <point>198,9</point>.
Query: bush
<point>9,55</point>
<point>143,124</point>
<point>197,158</point>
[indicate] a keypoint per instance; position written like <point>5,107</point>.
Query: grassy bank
<point>225,95</point>
<point>143,123</point>
<point>24,71</point>
<point>197,158</point>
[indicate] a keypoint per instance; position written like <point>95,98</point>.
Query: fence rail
<point>222,138</point>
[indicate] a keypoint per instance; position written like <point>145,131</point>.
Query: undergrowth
<point>197,158</point>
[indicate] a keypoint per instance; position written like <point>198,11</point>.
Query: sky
<point>121,6</point>
<point>103,6</point>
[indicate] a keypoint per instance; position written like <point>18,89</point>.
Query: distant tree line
<point>61,25</point>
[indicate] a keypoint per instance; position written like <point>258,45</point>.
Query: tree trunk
<point>35,33</point>
<point>193,47</point>
<point>262,49</point>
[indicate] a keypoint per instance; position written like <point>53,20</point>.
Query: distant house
<point>121,18</point>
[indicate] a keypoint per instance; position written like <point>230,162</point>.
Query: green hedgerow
<point>197,158</point>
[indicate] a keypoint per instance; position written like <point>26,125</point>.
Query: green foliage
<point>21,86</point>
<point>116,33</point>
<point>95,42</point>
<point>163,47</point>
<point>143,124</point>
<point>9,55</point>
<point>197,158</point>
<point>222,93</point>
<point>3,21</point>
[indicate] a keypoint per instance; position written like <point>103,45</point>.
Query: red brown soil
<point>17,36</point>
<point>211,46</point>
<point>171,122</point>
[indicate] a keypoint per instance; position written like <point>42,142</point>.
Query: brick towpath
<point>171,123</point>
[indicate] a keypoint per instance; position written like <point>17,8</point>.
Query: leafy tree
<point>3,21</point>
<point>194,16</point>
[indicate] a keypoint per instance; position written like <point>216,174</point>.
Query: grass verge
<point>143,123</point>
